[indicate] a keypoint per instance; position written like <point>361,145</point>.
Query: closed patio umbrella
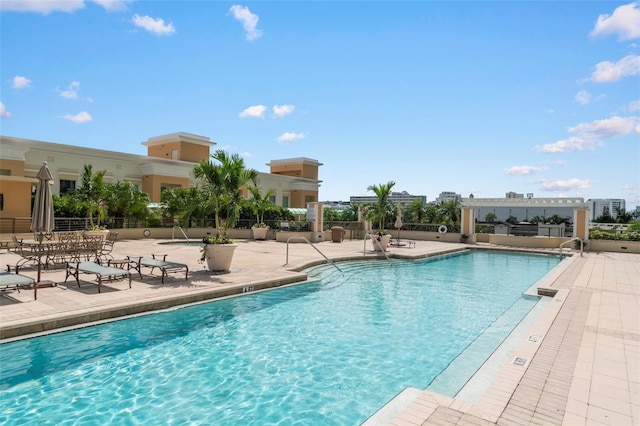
<point>42,214</point>
<point>398,223</point>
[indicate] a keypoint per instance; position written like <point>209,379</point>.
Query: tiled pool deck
<point>583,369</point>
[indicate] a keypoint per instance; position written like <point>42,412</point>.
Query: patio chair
<point>163,265</point>
<point>10,280</point>
<point>75,268</point>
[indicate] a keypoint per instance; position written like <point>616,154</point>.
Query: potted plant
<point>380,240</point>
<point>220,185</point>
<point>464,237</point>
<point>217,249</point>
<point>378,212</point>
<point>96,231</point>
<point>259,204</point>
<point>576,244</point>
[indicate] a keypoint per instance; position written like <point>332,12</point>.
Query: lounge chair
<point>163,265</point>
<point>10,280</point>
<point>74,269</point>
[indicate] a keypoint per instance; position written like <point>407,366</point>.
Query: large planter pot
<point>219,256</point>
<point>380,243</point>
<point>102,233</point>
<point>260,233</point>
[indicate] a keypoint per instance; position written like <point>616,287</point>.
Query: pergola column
<point>468,223</point>
<point>581,223</point>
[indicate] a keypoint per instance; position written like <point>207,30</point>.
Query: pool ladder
<point>312,245</point>
<point>173,231</point>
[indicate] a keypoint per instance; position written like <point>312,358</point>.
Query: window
<point>67,186</point>
<point>272,198</point>
<point>1,201</point>
<point>285,201</point>
<point>5,172</point>
<point>309,199</point>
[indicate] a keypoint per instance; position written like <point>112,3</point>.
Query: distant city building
<point>336,205</point>
<point>448,196</point>
<point>396,197</point>
<point>512,194</point>
<point>523,210</point>
<point>599,205</point>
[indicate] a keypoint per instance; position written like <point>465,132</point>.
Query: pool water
<point>329,352</point>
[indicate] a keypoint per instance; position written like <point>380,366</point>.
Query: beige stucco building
<point>169,163</point>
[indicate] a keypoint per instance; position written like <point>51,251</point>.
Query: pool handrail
<point>571,240</point>
<point>312,245</point>
<point>173,230</point>
<point>374,240</point>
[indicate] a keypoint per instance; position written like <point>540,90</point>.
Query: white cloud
<point>283,110</point>
<point>246,154</point>
<point>256,111</point>
<point>71,92</point>
<point>154,26</point>
<point>634,106</point>
<point>630,187</point>
<point>81,117</point>
<point>3,111</point>
<point>249,21</point>
<point>564,185</point>
<point>607,128</point>
<point>583,97</point>
<point>44,7</point>
<point>524,170</point>
<point>588,135</point>
<point>625,22</point>
<point>606,71</point>
<point>559,163</point>
<point>113,5</point>
<point>290,137</point>
<point>20,82</point>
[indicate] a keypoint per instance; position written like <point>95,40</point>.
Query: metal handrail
<point>173,230</point>
<point>311,244</point>
<point>571,240</point>
<point>373,238</point>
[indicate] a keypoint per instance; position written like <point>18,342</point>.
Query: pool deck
<point>581,366</point>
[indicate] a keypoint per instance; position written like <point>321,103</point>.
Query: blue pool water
<point>328,352</point>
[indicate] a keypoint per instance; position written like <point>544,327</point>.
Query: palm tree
<point>91,193</point>
<point>351,213</point>
<point>382,208</point>
<point>126,201</point>
<point>450,211</point>
<point>416,211</point>
<point>221,185</point>
<point>260,203</point>
<point>490,217</point>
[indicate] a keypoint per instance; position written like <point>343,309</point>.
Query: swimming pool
<point>331,351</point>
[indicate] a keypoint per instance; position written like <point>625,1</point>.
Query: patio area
<point>584,369</point>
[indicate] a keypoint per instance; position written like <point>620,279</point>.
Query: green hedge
<point>601,234</point>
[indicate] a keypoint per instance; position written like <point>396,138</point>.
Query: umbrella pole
<point>39,256</point>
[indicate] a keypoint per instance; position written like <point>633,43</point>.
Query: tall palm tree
<point>126,201</point>
<point>221,184</point>
<point>450,211</point>
<point>91,193</point>
<point>260,203</point>
<point>383,207</point>
<point>416,211</point>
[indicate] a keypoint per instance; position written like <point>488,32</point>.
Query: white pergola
<point>580,211</point>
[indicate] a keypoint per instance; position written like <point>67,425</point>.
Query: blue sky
<point>472,97</point>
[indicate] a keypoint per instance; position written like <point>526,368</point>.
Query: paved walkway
<point>583,367</point>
